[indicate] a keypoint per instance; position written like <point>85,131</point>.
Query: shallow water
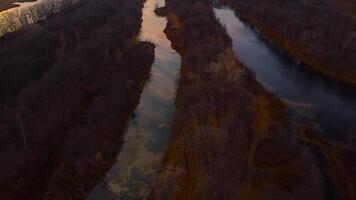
<point>148,133</point>
<point>333,104</point>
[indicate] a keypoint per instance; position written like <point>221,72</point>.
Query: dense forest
<point>321,33</point>
<point>21,19</point>
<point>75,82</point>
<point>68,87</point>
<point>230,138</point>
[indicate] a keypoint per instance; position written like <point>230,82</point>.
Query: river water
<point>332,105</point>
<point>23,5</point>
<point>149,129</point>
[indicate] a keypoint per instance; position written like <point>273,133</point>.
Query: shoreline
<point>227,127</point>
<point>9,4</point>
<point>89,90</point>
<point>344,77</point>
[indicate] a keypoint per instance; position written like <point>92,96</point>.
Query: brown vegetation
<point>345,7</point>
<point>17,20</point>
<point>70,87</point>
<point>340,160</point>
<point>230,138</point>
<point>314,31</point>
<point>7,4</point>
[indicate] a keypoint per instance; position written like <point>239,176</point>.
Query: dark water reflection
<point>334,103</point>
<point>148,133</point>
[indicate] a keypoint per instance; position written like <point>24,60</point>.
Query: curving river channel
<point>333,104</point>
<point>148,133</point>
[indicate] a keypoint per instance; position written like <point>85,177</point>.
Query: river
<point>149,129</point>
<point>22,5</point>
<point>332,104</point>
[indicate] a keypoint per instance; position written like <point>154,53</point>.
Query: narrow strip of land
<point>7,4</point>
<point>230,137</point>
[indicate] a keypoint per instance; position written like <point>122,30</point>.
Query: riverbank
<point>147,135</point>
<point>339,159</point>
<point>7,4</point>
<point>300,29</point>
<point>334,155</point>
<point>230,138</point>
<point>64,127</point>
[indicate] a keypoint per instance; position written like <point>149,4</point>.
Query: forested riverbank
<point>7,4</point>
<point>316,32</point>
<point>87,102</point>
<point>230,138</point>
<point>19,21</point>
<point>69,87</point>
<point>331,140</point>
<point>339,160</point>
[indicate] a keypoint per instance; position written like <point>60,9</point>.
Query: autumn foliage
<point>315,31</point>
<point>71,85</point>
<point>230,138</point>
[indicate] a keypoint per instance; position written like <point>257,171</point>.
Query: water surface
<point>23,5</point>
<point>147,136</point>
<point>334,104</point>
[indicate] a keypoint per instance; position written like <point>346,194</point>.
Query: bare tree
<point>32,14</point>
<point>10,19</point>
<point>21,18</point>
<point>66,4</point>
<point>21,129</point>
<point>3,27</point>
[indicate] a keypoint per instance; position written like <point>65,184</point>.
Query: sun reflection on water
<point>148,133</point>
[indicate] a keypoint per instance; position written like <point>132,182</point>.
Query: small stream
<point>332,104</point>
<point>149,129</point>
